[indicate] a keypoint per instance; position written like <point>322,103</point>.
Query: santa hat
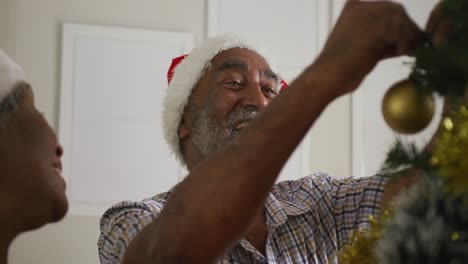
<point>10,74</point>
<point>184,74</point>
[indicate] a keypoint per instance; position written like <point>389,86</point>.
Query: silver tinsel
<point>430,225</point>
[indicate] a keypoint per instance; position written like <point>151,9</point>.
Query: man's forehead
<point>239,55</point>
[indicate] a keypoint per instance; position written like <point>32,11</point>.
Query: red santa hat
<point>183,76</point>
<point>10,74</point>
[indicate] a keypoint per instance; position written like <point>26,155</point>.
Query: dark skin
<point>221,200</point>
<point>30,171</point>
<point>221,90</point>
<point>236,77</point>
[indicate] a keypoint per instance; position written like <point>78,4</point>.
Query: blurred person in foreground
<point>32,189</point>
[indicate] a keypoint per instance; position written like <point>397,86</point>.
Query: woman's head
<point>32,188</point>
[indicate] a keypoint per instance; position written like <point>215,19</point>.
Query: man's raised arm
<point>213,207</point>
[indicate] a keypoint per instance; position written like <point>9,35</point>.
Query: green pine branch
<point>405,155</point>
<point>444,69</point>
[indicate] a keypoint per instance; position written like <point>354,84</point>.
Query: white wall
<point>3,25</point>
<point>33,37</point>
<point>71,241</point>
<point>34,32</point>
<point>331,140</point>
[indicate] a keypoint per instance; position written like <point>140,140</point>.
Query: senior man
<point>224,120</point>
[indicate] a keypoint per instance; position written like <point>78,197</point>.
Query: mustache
<point>240,114</point>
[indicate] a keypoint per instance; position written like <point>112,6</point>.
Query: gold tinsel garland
<point>451,152</point>
<point>443,70</point>
<point>361,248</point>
<point>450,159</point>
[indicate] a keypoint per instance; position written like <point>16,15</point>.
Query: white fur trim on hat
<point>186,76</point>
<point>10,74</point>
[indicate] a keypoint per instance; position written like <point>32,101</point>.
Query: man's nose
<point>253,97</point>
<point>59,150</point>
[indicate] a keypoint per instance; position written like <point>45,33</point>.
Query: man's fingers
<point>439,28</point>
<point>412,38</point>
<point>434,19</point>
<point>443,33</point>
<point>403,35</point>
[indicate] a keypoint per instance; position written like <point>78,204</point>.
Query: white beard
<point>208,135</point>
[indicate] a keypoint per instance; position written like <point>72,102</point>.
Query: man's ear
<point>184,129</point>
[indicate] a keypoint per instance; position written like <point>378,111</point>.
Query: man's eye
<point>269,90</point>
<point>233,84</point>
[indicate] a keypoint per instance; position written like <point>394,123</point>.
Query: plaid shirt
<point>308,220</point>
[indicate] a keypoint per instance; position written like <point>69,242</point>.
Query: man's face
<point>31,166</point>
<point>234,90</point>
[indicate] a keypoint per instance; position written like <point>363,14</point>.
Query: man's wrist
<point>325,79</point>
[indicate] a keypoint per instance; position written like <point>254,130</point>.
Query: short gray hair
<point>11,102</point>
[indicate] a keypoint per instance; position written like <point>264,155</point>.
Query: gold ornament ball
<point>407,110</point>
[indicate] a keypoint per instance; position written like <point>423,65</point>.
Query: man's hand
<point>439,28</point>
<point>367,32</point>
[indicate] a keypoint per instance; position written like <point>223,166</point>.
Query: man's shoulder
<point>303,189</point>
<point>122,222</point>
<point>150,206</point>
<point>319,178</point>
<point>319,184</point>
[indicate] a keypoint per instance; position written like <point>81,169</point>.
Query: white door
<point>113,83</point>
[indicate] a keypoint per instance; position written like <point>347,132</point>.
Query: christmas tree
<point>429,222</point>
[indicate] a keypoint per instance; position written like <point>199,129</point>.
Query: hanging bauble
<point>406,109</point>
